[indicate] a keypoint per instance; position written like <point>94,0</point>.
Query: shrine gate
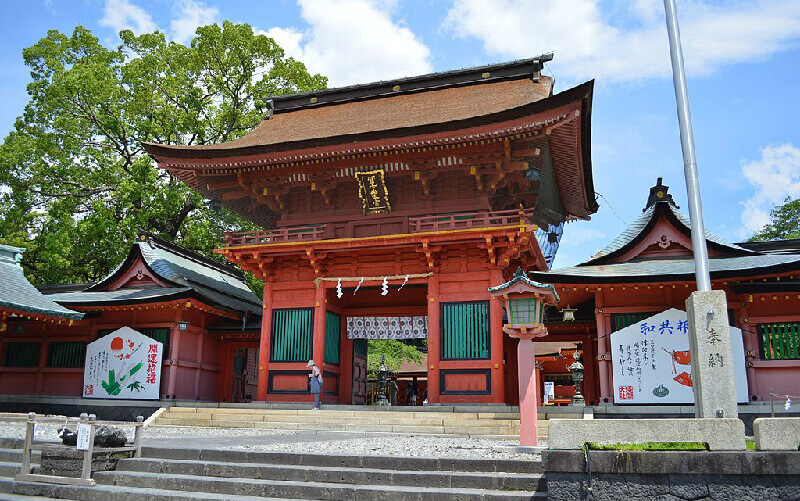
<point>388,210</point>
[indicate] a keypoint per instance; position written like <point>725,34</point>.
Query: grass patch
<point>650,446</point>
<point>751,444</point>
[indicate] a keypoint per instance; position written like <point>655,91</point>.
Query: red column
<point>528,399</point>
<point>345,365</point>
<point>318,349</point>
<point>263,345</point>
<point>496,340</point>
<point>603,353</point>
<point>174,353</point>
<point>433,339</point>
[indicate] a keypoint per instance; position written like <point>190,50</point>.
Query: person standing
<point>315,382</point>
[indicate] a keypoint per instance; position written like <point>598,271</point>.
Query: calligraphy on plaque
<point>372,192</point>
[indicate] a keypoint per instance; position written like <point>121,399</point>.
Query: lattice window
<point>779,341</point>
<point>292,334</point>
<point>66,354</point>
<point>333,337</point>
<point>465,331</point>
<point>22,354</point>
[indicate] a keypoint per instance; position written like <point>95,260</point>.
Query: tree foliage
<point>784,223</point>
<point>396,352</point>
<point>75,183</point>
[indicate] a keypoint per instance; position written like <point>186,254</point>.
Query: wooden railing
<point>291,234</point>
<point>438,222</point>
<point>467,220</point>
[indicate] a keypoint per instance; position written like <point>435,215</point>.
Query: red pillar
<point>345,365</point>
<point>318,349</point>
<point>496,340</point>
<point>174,353</point>
<point>528,399</point>
<point>603,352</point>
<point>263,346</point>
<point>433,339</point>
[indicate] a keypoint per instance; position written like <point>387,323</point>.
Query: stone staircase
<point>195,475</point>
<point>459,421</point>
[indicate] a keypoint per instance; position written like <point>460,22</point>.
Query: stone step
<point>311,420</point>
<point>15,455</point>
<point>300,490</point>
<point>337,475</point>
<point>405,429</point>
<point>10,468</point>
<point>102,492</point>
<point>341,413</point>
<point>314,417</point>
<point>398,463</point>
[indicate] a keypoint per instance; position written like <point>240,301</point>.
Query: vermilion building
<point>185,301</point>
<point>648,269</point>
<point>388,210</point>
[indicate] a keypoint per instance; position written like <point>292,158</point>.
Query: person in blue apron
<point>316,383</point>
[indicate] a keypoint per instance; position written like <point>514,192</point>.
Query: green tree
<point>784,222</point>
<point>395,351</point>
<point>75,183</point>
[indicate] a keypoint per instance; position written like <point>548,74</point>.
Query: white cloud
<point>354,41</point>
<point>288,38</point>
<point>122,15</point>
<point>628,44</point>
<point>775,176</point>
<point>191,15</point>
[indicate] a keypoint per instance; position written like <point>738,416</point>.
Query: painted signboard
<point>549,392</point>
<point>124,364</point>
<point>652,365</point>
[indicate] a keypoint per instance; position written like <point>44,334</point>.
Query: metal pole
<point>700,250</point>
<point>771,403</point>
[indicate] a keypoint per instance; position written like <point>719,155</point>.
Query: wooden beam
<point>234,195</point>
<point>223,185</point>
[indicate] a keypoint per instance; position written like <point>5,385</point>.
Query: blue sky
<point>742,56</point>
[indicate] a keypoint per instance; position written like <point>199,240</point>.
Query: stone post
<point>712,360</point>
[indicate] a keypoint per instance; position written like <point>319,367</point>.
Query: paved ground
<point>304,441</point>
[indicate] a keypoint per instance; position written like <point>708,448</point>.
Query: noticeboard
<point>124,364</point>
<point>652,365</point>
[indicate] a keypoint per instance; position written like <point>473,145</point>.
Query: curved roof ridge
<point>643,223</point>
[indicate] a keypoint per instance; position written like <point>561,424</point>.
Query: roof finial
<point>659,193</point>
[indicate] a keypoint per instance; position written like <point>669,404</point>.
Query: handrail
<point>90,420</point>
<point>416,224</point>
<point>466,220</point>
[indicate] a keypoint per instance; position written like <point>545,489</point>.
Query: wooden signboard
<point>372,192</point>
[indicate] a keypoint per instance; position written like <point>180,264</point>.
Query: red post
<point>433,339</point>
<point>496,343</point>
<point>528,400</point>
<point>346,366</point>
<point>263,346</point>
<point>603,354</point>
<point>318,349</point>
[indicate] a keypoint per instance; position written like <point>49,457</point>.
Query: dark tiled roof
<point>640,225</point>
<point>125,296</point>
<point>218,283</point>
<point>787,246</point>
<point>670,269</point>
<point>19,296</point>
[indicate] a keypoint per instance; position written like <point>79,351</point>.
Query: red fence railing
<point>279,235</point>
<point>439,222</point>
<point>467,220</point>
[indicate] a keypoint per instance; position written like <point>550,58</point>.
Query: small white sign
<point>83,437</point>
<point>549,391</point>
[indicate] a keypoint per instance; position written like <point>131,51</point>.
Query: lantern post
<point>524,301</point>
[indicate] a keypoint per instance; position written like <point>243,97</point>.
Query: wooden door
<point>359,396</point>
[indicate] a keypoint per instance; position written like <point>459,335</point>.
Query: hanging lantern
<point>525,300</point>
<point>569,314</point>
